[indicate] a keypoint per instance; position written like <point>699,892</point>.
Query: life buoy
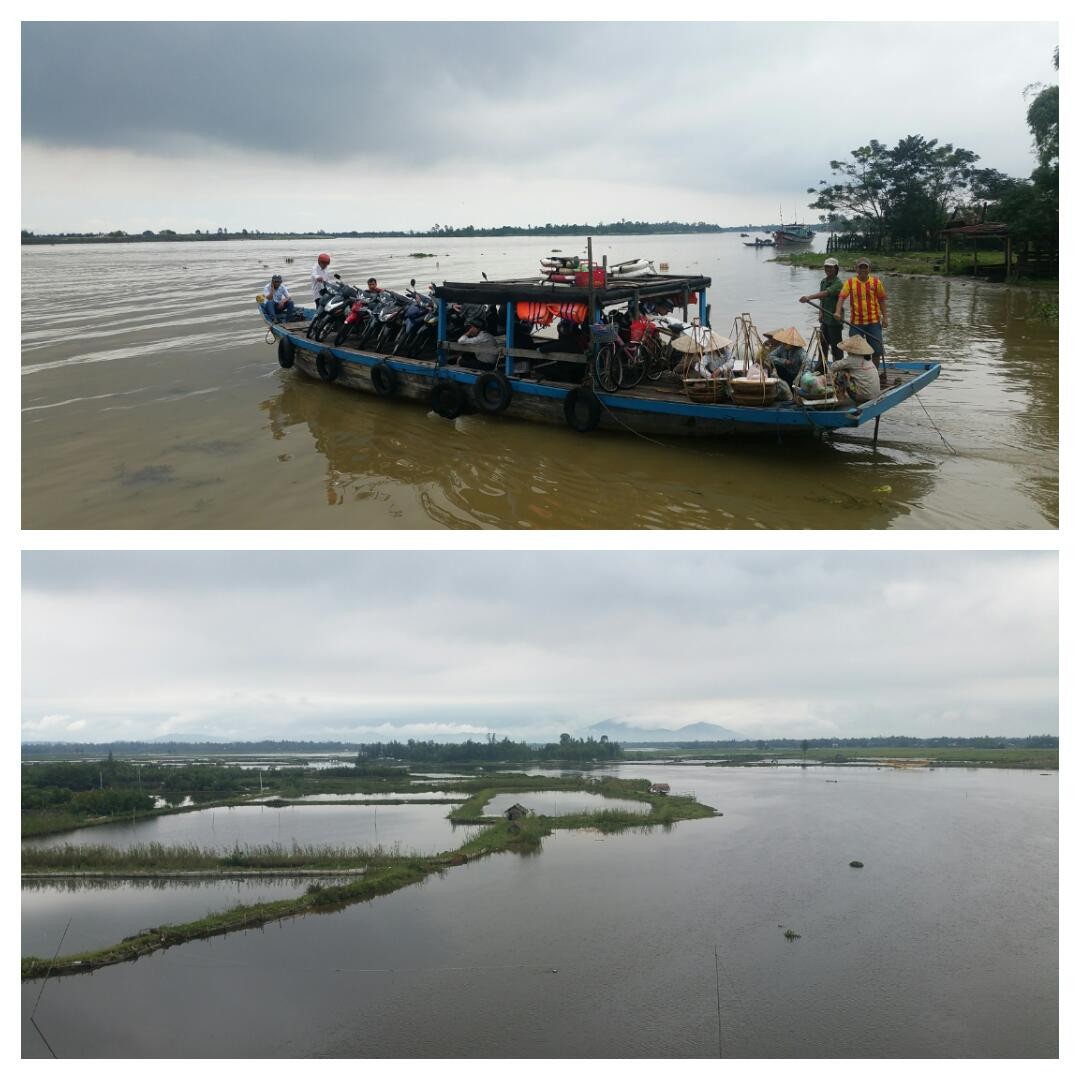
<point>285,353</point>
<point>492,392</point>
<point>581,408</point>
<point>385,380</point>
<point>328,366</point>
<point>447,399</point>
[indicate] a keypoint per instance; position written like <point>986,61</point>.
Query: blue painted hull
<point>643,411</point>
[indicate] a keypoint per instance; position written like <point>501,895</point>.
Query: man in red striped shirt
<point>868,314</point>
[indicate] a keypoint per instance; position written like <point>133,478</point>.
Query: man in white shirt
<point>320,276</point>
<point>487,348</point>
<point>278,305</point>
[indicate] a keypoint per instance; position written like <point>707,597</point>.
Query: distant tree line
<point>985,742</point>
<point>262,746</point>
<point>492,750</point>
<point>611,228</point>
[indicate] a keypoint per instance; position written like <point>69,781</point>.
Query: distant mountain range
<point>623,732</point>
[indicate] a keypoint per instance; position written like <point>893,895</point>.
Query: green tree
<point>1042,118</point>
<point>1029,207</point>
<point>904,191</point>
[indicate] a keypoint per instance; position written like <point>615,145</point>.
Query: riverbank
<point>917,264</point>
<point>380,874</point>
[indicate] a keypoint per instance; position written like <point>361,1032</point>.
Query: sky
<point>366,646</point>
<point>378,126</point>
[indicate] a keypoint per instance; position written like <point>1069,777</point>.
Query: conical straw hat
<point>788,336</point>
<point>856,345</point>
<point>700,339</point>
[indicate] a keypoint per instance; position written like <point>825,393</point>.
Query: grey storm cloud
<point>404,90</point>
<point>696,105</point>
<point>252,643</point>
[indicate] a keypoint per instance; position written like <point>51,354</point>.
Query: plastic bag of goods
<point>811,386</point>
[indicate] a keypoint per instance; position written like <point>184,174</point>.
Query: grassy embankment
<point>931,756</point>
<point>289,789</point>
<point>917,263</point>
<point>381,873</point>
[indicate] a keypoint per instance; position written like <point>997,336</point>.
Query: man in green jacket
<point>832,329</point>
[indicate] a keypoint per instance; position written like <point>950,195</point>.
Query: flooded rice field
<point>151,400</point>
<point>421,829</point>
<point>944,945</point>
<point>554,803</point>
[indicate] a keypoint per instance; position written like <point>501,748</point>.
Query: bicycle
<point>621,365</point>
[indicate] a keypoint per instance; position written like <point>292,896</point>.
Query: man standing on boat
<point>832,330</point>
<point>868,315</point>
<point>320,277</point>
<point>278,304</point>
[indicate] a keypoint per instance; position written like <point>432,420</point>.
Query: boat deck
<point>667,389</point>
<point>557,386</point>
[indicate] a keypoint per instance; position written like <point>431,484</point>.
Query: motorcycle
<point>336,300</point>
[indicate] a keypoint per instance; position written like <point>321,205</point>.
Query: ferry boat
<point>558,387</point>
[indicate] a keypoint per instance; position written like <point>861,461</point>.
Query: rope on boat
<point>949,445</point>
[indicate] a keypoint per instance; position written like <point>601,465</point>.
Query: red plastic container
<point>581,279</point>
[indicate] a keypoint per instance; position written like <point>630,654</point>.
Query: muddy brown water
<point>150,400</point>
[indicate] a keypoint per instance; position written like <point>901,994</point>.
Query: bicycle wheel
<point>656,361</point>
<point>608,369</point>
<point>633,368</point>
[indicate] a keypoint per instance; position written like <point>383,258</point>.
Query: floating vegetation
<point>856,864</point>
<point>791,935</point>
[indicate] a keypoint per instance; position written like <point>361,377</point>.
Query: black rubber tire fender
<point>447,399</point>
<point>328,366</point>
<point>384,379</point>
<point>492,392</point>
<point>286,353</point>
<point>581,407</point>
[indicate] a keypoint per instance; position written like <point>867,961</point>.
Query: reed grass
<point>159,857</point>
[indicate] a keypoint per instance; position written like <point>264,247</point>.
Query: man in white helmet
<point>831,327</point>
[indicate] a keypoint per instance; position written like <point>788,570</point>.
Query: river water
<point>150,400</point>
<point>943,945</point>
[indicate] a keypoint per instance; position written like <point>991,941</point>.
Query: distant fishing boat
<point>759,241</point>
<point>793,233</point>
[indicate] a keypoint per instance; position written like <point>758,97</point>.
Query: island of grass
<point>376,872</point>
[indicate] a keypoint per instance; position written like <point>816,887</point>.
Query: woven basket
<point>604,334</point>
<point>753,391</point>
<point>706,391</point>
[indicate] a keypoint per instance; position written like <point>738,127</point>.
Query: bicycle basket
<point>604,334</point>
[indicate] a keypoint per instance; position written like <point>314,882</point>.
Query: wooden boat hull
<point>645,410</point>
<point>794,236</point>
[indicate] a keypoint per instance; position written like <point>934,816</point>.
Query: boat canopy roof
<point>646,287</point>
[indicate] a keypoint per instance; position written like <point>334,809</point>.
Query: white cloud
<point>161,643</point>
